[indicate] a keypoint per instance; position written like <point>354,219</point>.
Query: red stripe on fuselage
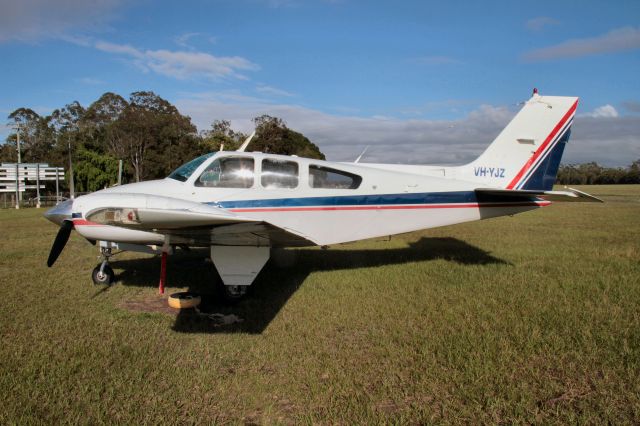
<point>82,222</point>
<point>540,150</point>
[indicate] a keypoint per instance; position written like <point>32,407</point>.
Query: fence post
<point>17,188</point>
<point>38,185</point>
<point>57,190</point>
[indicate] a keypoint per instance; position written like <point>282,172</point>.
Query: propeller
<point>60,241</point>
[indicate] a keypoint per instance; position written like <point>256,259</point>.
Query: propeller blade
<point>60,241</point>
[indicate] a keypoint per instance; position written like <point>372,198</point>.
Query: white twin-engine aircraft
<point>242,204</point>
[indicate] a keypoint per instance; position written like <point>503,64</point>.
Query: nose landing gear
<point>103,274</point>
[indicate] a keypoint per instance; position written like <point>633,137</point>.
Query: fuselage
<point>323,202</point>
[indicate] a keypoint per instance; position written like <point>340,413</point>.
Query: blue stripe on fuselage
<point>457,197</point>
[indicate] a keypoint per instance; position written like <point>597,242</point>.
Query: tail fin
<point>527,153</point>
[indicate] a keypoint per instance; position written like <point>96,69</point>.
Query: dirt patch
<point>159,304</point>
<point>150,303</point>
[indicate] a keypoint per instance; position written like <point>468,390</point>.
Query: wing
<point>240,234</point>
<point>187,222</point>
<point>570,194</point>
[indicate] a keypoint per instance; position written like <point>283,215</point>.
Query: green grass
<point>528,319</point>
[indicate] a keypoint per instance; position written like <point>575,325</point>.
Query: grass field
<point>529,319</point>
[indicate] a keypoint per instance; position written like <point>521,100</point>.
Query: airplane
<point>241,204</point>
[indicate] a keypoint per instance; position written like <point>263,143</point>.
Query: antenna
<point>246,142</point>
<point>361,154</point>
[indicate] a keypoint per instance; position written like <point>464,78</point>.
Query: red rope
<point>163,272</point>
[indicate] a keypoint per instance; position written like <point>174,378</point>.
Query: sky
<point>417,81</point>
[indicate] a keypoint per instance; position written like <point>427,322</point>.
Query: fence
<point>16,178</point>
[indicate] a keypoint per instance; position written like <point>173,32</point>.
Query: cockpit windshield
<point>183,172</point>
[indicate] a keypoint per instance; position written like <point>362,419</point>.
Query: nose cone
<point>60,213</point>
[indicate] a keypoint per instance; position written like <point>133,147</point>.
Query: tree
<point>106,110</point>
<point>222,136</point>
<point>94,171</point>
<point>146,131</point>
<point>273,135</point>
<point>633,173</point>
<point>150,129</point>
<point>593,173</point>
<point>36,138</point>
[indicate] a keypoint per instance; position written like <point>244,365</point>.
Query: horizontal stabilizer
<point>569,194</point>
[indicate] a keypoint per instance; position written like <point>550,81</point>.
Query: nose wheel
<point>103,274</point>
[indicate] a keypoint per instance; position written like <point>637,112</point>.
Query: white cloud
<point>182,64</point>
<point>343,137</point>
<point>612,141</point>
<point>183,39</point>
<point>605,111</point>
<point>539,23</point>
<point>620,39</point>
<point>30,20</point>
<point>269,90</point>
<point>118,48</point>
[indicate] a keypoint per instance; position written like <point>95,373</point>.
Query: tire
<point>107,277</point>
<point>230,296</point>
<point>184,300</point>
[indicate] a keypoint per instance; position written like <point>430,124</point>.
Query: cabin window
<point>228,172</point>
<point>185,171</point>
<point>325,177</point>
<point>279,174</point>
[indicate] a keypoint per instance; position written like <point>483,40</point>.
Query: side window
<point>228,172</point>
<point>324,177</point>
<point>279,174</point>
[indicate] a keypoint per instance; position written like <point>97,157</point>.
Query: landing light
<point>115,216</point>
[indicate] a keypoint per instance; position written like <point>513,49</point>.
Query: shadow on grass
<point>285,272</point>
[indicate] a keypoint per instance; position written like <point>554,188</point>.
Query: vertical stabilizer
<point>527,153</point>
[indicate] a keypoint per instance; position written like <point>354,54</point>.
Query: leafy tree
<point>36,139</point>
<point>222,136</point>
<point>100,119</point>
<point>106,110</point>
<point>94,171</point>
<point>273,135</point>
<point>146,131</point>
<point>594,174</point>
<point>151,129</point>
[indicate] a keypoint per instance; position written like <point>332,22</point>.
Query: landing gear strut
<point>103,274</point>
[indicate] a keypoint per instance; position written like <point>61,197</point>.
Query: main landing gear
<point>233,293</point>
<point>103,274</point>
